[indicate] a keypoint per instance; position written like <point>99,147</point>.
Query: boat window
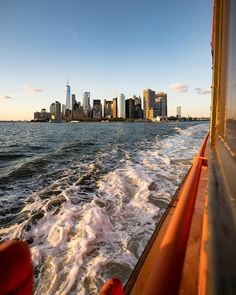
<point>231,81</point>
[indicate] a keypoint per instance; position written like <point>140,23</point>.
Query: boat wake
<point>95,219</point>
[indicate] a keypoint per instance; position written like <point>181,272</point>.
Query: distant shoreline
<point>112,121</point>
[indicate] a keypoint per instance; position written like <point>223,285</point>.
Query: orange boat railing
<point>165,275</point>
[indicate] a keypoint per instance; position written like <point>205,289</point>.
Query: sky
<point>106,47</point>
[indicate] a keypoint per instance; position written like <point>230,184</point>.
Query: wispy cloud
<point>32,89</point>
<point>3,97</point>
<point>202,91</point>
<point>179,87</point>
<point>70,32</point>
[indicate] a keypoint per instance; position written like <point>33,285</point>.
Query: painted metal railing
<point>165,276</point>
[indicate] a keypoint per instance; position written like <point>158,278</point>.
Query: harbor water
<point>87,196</point>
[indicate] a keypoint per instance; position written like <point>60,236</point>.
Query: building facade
<point>178,110</point>
<point>97,109</point>
<point>121,106</point>
<point>63,111</point>
<point>42,116</point>
<point>108,104</point>
<point>52,109</point>
<point>129,108</point>
<point>161,99</point>
<point>114,108</point>
<point>150,104</point>
<point>138,111</point>
<point>55,110</point>
<point>77,112</point>
<point>68,98</point>
<point>86,104</point>
<point>73,99</point>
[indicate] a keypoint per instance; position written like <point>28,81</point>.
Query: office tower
<point>137,101</point>
<point>138,112</point>
<point>68,102</point>
<point>77,112</point>
<point>57,111</point>
<point>178,112</point>
<point>63,111</point>
<point>121,106</point>
<point>161,99</point>
<point>108,109</point>
<point>150,104</point>
<point>52,109</point>
<point>73,100</point>
<point>86,104</point>
<point>129,108</point>
<point>158,105</point>
<point>97,109</point>
<point>114,108</point>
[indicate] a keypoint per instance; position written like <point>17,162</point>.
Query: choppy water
<point>87,196</point>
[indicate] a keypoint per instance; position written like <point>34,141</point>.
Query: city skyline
<point>152,46</point>
<point>120,107</point>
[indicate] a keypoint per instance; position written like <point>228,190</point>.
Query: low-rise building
<point>42,116</point>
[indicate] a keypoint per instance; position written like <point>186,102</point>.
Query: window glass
<point>231,80</point>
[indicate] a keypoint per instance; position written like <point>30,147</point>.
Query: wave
<point>25,169</point>
<point>6,157</point>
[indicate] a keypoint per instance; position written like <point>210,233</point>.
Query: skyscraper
<point>129,108</point>
<point>138,112</point>
<point>86,104</point>
<point>150,104</point>
<point>73,100</point>
<point>114,108</point>
<point>68,99</point>
<point>178,112</point>
<point>63,111</point>
<point>121,106</point>
<point>161,99</point>
<point>55,110</point>
<point>108,109</point>
<point>77,112</point>
<point>97,109</point>
<point>52,109</point>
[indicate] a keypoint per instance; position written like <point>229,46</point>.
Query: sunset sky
<point>106,47</point>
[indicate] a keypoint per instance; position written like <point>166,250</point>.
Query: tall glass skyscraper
<point>121,106</point>
<point>68,99</point>
<point>86,103</point>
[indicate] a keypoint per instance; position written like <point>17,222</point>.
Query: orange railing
<point>165,276</point>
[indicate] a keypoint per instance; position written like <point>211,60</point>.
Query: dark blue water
<point>87,196</point>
